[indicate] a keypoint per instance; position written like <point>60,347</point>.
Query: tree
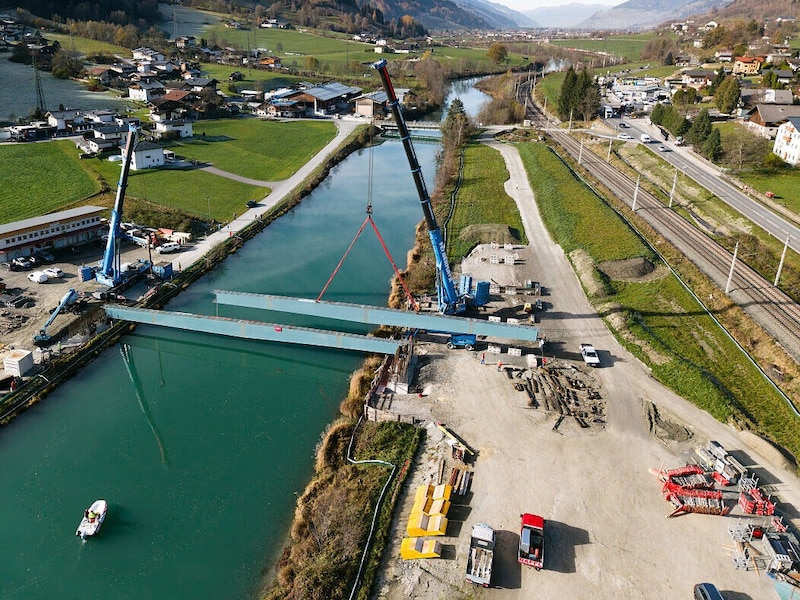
<point>432,76</point>
<point>566,99</point>
<point>684,98</point>
<point>727,96</point>
<point>700,129</point>
<point>456,127</point>
<point>587,102</point>
<point>718,79</point>
<point>497,53</point>
<point>712,147</point>
<point>669,60</point>
<point>65,65</point>
<point>657,114</point>
<point>311,63</point>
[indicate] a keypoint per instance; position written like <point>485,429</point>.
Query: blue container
<point>482,293</point>
<point>86,273</point>
<point>162,270</point>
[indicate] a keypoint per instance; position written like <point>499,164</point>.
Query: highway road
<point>710,177</point>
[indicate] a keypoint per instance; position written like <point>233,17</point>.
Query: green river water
<point>199,444</point>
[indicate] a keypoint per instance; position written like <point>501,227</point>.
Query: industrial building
<point>61,229</point>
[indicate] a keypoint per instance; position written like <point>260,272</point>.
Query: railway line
<point>775,311</point>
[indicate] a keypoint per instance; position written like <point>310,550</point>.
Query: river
<point>200,444</point>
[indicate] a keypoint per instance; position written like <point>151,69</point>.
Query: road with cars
<point>713,179</point>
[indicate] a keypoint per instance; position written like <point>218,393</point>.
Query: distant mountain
<point>756,9</point>
<point>645,14</point>
<point>565,16</point>
<point>497,15</point>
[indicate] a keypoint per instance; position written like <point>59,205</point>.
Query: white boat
<point>93,518</point>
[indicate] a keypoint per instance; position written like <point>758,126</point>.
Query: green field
<point>785,184</point>
<point>698,361</point>
<point>482,199</point>
<point>39,178</point>
<point>87,46</point>
<point>626,46</point>
<point>263,150</point>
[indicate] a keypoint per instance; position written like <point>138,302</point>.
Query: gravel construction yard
<point>607,531</point>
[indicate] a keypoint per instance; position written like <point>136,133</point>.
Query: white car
<point>53,272</point>
<point>624,136</point>
<point>38,276</point>
<point>663,149</point>
<point>168,247</point>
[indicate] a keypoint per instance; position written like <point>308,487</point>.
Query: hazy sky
<point>523,5</point>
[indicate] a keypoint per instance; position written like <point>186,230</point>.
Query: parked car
<point>707,591</point>
<point>168,247</point>
<point>624,136</point>
<point>22,262</point>
<point>38,276</point>
<point>45,257</point>
<point>53,272</point>
<point>252,204</point>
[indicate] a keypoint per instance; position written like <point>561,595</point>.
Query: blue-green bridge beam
<point>373,315</point>
<point>253,330</point>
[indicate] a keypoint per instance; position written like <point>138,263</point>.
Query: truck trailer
<point>481,555</point>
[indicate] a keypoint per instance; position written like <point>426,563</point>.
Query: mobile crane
<point>110,273</point>
<point>69,299</point>
<point>448,299</point>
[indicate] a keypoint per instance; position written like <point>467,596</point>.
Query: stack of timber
<point>460,479</point>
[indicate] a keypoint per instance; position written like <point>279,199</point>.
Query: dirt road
<point>607,531</point>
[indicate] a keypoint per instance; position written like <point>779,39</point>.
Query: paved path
<point>235,177</point>
<point>279,191</point>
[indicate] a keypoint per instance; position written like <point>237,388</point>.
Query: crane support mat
<point>374,315</point>
<point>254,330</point>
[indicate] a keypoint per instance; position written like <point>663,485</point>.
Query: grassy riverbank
<point>658,320</point>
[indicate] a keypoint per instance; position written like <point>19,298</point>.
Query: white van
<point>646,139</point>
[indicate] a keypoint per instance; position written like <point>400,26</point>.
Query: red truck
<point>531,541</point>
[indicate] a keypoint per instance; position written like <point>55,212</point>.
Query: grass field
<point>482,199</point>
<point>627,46</point>
<point>256,149</point>
<point>87,46</point>
<point>39,178</point>
<point>190,191</point>
<point>700,362</point>
<point>784,184</point>
<point>263,150</point>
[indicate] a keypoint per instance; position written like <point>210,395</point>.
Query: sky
<point>523,5</point>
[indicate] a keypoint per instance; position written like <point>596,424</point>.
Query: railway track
<point>775,311</point>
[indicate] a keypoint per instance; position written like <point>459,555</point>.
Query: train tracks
<point>776,312</point>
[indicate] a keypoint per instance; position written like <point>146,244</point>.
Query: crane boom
<point>109,271</point>
<point>449,301</point>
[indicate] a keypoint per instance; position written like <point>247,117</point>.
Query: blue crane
<point>43,338</point>
<point>109,272</point>
<point>449,300</point>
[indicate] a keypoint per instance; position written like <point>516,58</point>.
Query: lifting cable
<point>412,302</point>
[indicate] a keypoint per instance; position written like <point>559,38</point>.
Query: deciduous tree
<point>497,53</point>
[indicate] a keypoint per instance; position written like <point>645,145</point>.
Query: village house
<point>750,97</point>
<point>146,91</point>
<point>766,118</point>
<point>698,78</point>
<point>372,104</point>
<point>787,141</point>
<point>147,155</point>
<point>747,65</point>
<point>185,41</point>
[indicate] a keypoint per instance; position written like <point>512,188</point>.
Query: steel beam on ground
<point>374,315</point>
<point>253,330</point>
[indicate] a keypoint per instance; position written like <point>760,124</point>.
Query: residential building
<point>787,141</point>
<point>147,155</point>
<point>766,118</point>
<point>747,65</point>
<point>146,91</point>
<point>372,104</point>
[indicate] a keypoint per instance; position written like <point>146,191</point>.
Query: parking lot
<point>26,304</point>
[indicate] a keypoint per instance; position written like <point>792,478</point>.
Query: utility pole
<point>780,265</point>
<point>672,193</point>
<point>580,152</point>
<point>636,193</point>
<point>608,158</point>
<point>569,129</point>
<point>733,263</point>
<point>41,108</point>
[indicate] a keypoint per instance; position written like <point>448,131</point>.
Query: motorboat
<point>93,518</point>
